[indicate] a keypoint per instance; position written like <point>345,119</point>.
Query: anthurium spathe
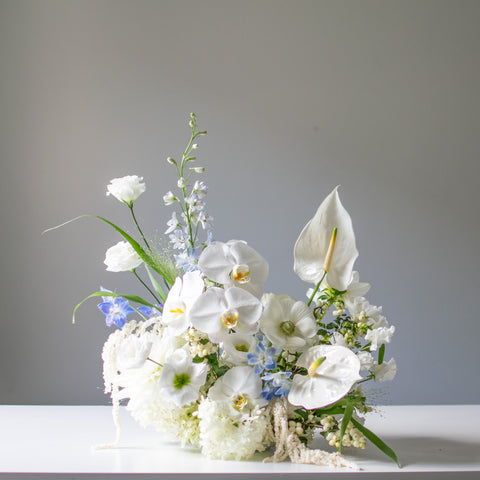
<point>332,371</point>
<point>314,246</point>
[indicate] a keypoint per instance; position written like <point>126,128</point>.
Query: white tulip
<point>121,258</point>
<point>315,252</point>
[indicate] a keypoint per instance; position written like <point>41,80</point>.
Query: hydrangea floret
<point>213,360</point>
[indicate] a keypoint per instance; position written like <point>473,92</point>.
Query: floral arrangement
<point>218,363</point>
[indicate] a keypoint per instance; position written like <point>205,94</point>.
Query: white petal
<point>215,263</point>
<point>206,312</point>
<point>312,245</point>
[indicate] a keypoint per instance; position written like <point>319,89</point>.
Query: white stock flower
<point>181,379</point>
<point>218,312</point>
<point>313,244</point>
<point>287,323</point>
<point>240,389</point>
<point>121,258</point>
<point>356,288</point>
<point>363,312</point>
<point>337,339</point>
<point>332,371</point>
<point>366,359</point>
<point>235,264</point>
<point>132,352</point>
<point>379,336</point>
<point>179,301</point>
<point>385,371</point>
<point>126,189</point>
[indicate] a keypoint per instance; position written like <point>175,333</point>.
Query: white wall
<point>381,97</point>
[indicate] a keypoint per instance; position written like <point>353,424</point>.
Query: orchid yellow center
<point>229,318</point>
<point>239,402</point>
<point>314,366</point>
<point>178,309</point>
<point>241,273</point>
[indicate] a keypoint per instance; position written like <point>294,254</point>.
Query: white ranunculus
<point>219,313</point>
<point>385,371</point>
<point>132,352</point>
<point>180,299</point>
<point>181,379</point>
<point>240,389</point>
<point>379,336</point>
<point>332,371</point>
<point>234,264</point>
<point>312,245</point>
<point>121,258</point>
<point>126,189</point>
<point>287,323</point>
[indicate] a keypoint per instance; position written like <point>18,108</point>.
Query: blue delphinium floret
<point>116,310</point>
<point>276,384</point>
<point>264,356</point>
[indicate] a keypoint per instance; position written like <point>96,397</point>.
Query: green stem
<point>146,286</point>
<point>138,227</point>
<point>316,289</point>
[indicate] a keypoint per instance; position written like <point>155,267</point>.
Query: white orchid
<point>289,324</point>
<point>326,245</point>
<point>235,264</point>
<point>240,389</point>
<point>237,346</point>
<point>332,371</point>
<point>219,312</point>
<point>122,258</point>
<point>181,379</point>
<point>181,297</point>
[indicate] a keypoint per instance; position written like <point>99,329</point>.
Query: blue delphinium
<point>276,384</point>
<point>263,358</point>
<point>116,310</point>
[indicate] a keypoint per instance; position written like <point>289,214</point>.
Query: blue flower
<point>116,310</point>
<point>149,312</point>
<point>263,357</point>
<point>276,384</point>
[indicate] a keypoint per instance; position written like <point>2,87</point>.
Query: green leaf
<point>302,414</point>
<point>377,441</point>
<point>158,289</point>
<point>346,420</point>
<point>381,354</point>
<point>101,293</point>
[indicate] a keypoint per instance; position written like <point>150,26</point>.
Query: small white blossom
<point>385,371</point>
<point>126,189</point>
<point>121,258</point>
<point>181,183</point>
<point>169,198</point>
<point>363,312</point>
<point>379,336</point>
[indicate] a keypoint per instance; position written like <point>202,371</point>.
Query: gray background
<point>381,97</point>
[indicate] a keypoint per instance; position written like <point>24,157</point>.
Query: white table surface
<point>430,441</point>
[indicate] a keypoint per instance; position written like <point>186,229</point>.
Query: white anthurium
<point>235,264</point>
<point>288,323</point>
<point>332,371</point>
<point>180,379</point>
<point>181,297</point>
<point>237,346</point>
<point>240,389</point>
<point>132,352</point>
<point>218,313</point>
<point>327,245</point>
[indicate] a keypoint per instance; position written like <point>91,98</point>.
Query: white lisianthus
<point>121,258</point>
<point>379,336</point>
<point>313,245</point>
<point>234,264</point>
<point>332,371</point>
<point>240,389</point>
<point>385,371</point>
<point>181,297</point>
<point>181,379</point>
<point>132,352</point>
<point>219,312</point>
<point>126,189</point>
<point>289,324</point>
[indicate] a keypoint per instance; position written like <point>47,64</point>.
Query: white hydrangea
<point>225,437</point>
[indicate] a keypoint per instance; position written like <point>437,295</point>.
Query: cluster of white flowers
<point>220,364</point>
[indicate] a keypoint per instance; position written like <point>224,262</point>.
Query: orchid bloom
<point>332,371</point>
<point>182,295</point>
<point>219,312</point>
<point>326,245</point>
<point>235,264</point>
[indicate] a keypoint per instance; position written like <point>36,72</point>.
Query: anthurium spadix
<point>326,245</point>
